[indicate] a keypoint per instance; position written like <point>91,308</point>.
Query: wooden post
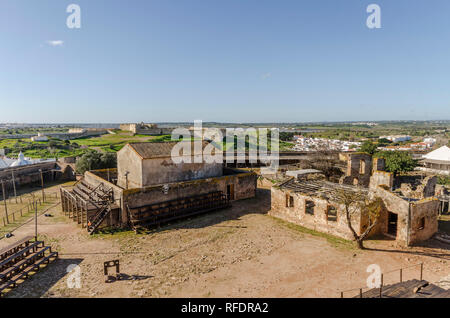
<point>62,201</point>
<point>42,185</point>
<point>401,275</point>
<point>14,185</point>
<point>87,221</point>
<point>381,286</point>
<point>4,201</point>
<point>35,224</point>
<point>360,293</point>
<point>421,271</point>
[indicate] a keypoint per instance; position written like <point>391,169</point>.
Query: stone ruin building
<point>149,188</point>
<point>146,129</point>
<point>411,213</point>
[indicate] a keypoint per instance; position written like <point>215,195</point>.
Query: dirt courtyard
<point>237,252</point>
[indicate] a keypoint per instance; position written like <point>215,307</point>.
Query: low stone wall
<point>25,175</point>
<point>63,136</point>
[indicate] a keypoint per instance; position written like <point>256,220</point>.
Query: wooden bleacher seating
<point>19,260</point>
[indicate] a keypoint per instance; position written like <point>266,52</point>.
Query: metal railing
<point>400,270</point>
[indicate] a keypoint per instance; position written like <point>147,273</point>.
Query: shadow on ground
<point>40,283</point>
<point>430,249</point>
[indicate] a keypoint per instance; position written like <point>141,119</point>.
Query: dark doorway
<point>230,191</point>
<point>392,224</point>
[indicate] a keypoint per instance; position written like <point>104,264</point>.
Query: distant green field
<point>58,148</point>
<point>55,148</point>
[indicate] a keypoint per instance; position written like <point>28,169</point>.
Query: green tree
<point>368,147</point>
<point>93,160</point>
<point>398,161</point>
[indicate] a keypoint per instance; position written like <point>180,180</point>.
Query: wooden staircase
<point>87,204</point>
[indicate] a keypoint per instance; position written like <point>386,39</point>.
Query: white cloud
<point>266,75</point>
<point>55,43</point>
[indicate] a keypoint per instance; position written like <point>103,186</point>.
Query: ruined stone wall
<point>416,188</point>
<point>359,169</point>
<point>317,222</point>
<point>379,164</point>
<point>381,178</point>
<point>424,213</point>
<point>399,206</point>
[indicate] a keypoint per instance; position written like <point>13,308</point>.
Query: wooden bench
<point>18,256</point>
<point>24,268</point>
<point>15,247</point>
<point>24,263</point>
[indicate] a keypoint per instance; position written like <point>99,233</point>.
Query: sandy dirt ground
<point>237,252</point>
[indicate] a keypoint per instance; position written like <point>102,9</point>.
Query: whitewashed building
<point>437,161</point>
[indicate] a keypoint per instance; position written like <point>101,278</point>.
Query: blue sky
<point>224,60</point>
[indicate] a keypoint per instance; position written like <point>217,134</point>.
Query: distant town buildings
<point>365,123</point>
<point>317,144</point>
<point>398,138</point>
<point>424,145</point>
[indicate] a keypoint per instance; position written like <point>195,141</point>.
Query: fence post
<point>421,271</point>
<point>401,275</point>
<point>381,286</point>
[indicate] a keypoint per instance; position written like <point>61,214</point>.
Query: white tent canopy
<point>441,154</point>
